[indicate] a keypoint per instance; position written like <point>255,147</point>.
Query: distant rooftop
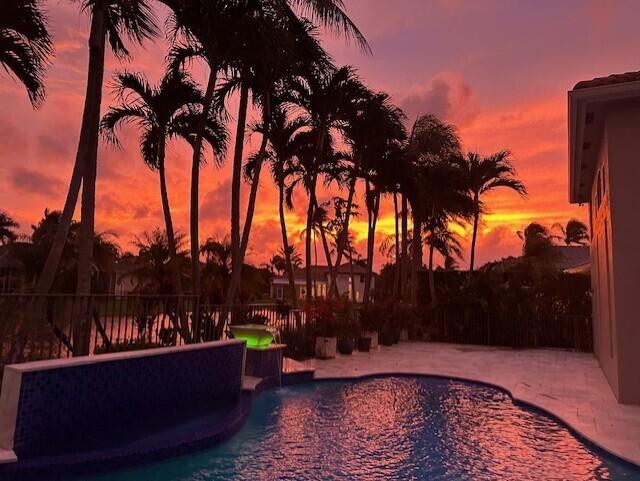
<point>613,79</point>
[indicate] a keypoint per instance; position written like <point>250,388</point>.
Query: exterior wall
<point>601,273</point>
<point>623,134</point>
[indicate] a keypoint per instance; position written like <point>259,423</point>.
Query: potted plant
<point>347,328</point>
<point>323,316</point>
<point>369,322</point>
<point>364,344</point>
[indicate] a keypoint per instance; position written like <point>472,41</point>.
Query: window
<point>279,292</point>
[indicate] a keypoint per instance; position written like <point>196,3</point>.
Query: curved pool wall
<point>119,409</point>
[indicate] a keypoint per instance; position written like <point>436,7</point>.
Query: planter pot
<point>404,335</point>
<point>364,344</point>
<point>373,335</point>
<point>345,346</point>
<point>326,347</point>
<point>386,338</point>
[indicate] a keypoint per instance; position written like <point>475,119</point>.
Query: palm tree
<point>432,145</point>
<point>326,98</point>
<point>168,110</point>
<point>575,232</point>
<point>283,148</point>
<point>25,45</point>
<point>110,19</point>
<point>538,240</point>
<point>484,174</point>
<point>7,226</point>
<point>226,34</point>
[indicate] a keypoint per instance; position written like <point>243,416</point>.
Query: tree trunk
<point>351,273</point>
<point>310,209</point>
<point>432,280</point>
<point>235,184</point>
<point>416,255</point>
<point>476,217</point>
<point>236,273</point>
<point>344,234</point>
<point>87,156</point>
<point>396,267</point>
<point>372,211</point>
<point>285,243</point>
<point>171,238</point>
<point>195,183</point>
<point>404,278</point>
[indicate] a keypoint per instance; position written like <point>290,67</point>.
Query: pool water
<point>394,428</point>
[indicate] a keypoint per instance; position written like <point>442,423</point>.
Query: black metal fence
<point>57,326</point>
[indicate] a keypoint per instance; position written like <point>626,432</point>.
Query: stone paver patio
<point>569,385</point>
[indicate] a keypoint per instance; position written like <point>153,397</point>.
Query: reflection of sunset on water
<point>394,428</point>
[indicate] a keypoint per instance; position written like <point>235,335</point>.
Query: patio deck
<point>569,385</point>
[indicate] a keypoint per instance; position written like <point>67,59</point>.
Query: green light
<point>256,335</point>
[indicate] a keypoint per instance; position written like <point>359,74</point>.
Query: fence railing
<point>57,326</point>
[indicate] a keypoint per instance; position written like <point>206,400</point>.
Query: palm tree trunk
<point>87,156</point>
<point>351,272</point>
<point>396,267</point>
<point>476,217</point>
<point>195,183</point>
<point>171,238</point>
<point>416,255</point>
<point>344,234</point>
<point>405,249</point>
<point>310,209</point>
<point>371,234</point>
<point>285,244</point>
<point>432,280</point>
<point>235,183</point>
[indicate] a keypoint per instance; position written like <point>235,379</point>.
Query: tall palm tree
<point>110,20</point>
<point>537,241</point>
<point>285,48</point>
<point>432,145</point>
<point>167,110</point>
<point>283,148</point>
<point>575,232</point>
<point>484,174</point>
<point>220,32</point>
<point>25,45</point>
<point>327,98</point>
<point>7,226</point>
<point>375,133</point>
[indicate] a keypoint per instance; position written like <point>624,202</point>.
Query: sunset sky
<point>499,70</point>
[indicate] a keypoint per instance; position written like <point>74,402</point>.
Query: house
<point>11,271</point>
<point>321,280</point>
<point>604,172</point>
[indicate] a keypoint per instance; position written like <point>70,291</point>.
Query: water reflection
<point>392,429</point>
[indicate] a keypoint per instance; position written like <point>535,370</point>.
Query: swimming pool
<point>391,428</point>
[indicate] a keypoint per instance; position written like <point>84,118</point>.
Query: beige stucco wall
<point>616,251</point>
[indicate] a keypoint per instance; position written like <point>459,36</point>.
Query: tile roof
<point>609,80</point>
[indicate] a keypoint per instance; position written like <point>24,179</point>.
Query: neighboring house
<point>573,259</point>
<point>122,281</point>
<point>11,271</point>
<point>321,281</point>
<point>604,171</point>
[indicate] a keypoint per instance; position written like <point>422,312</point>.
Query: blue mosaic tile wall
<point>90,407</point>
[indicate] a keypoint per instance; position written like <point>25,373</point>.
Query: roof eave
<point>579,100</point>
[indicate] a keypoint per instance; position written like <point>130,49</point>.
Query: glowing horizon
<point>498,71</point>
